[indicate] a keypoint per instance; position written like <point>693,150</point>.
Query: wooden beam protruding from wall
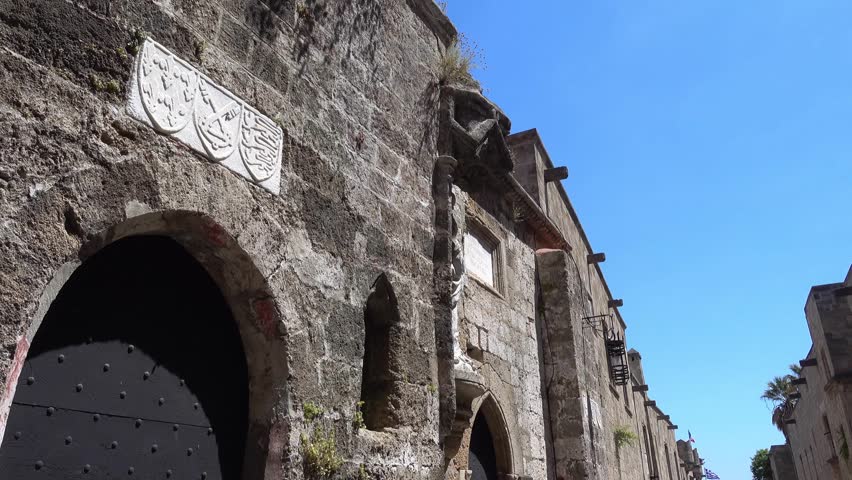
<point>555,174</point>
<point>596,258</point>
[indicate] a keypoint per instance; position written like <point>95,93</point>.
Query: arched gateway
<point>482,459</point>
<point>490,455</point>
<point>137,371</point>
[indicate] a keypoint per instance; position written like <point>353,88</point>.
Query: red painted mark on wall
<point>215,234</point>
<point>21,351</point>
<point>266,316</point>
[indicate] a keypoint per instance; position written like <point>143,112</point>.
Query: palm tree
<point>797,369</point>
<point>778,392</point>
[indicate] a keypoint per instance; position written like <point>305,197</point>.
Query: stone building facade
<point>819,423</point>
<point>266,240</point>
<point>781,463</point>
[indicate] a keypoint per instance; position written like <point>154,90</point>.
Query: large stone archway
<point>244,291</point>
<point>137,369</point>
<point>482,443</point>
<point>489,415</point>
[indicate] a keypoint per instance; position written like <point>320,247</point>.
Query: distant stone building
<point>250,239</point>
<point>781,463</point>
<point>820,422</point>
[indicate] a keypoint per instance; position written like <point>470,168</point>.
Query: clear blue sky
<point>710,150</point>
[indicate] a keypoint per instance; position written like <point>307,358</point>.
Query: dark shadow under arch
<point>490,418</point>
<point>139,367</point>
<point>482,460</point>
<point>380,377</point>
<point>255,313</point>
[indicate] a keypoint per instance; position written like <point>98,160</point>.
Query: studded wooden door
<point>136,372</point>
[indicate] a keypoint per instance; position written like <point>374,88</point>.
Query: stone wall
<point>818,425</point>
<point>353,86</point>
<point>347,250</point>
<point>781,462</point>
<point>573,286</point>
<point>498,335</point>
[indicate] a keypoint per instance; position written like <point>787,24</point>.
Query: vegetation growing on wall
<point>311,411</point>
<point>457,62</point>
<point>624,436</point>
<point>319,449</point>
<point>100,85</point>
<point>136,41</point>
<point>358,418</point>
<point>319,452</point>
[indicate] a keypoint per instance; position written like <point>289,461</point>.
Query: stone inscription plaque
<point>479,258</point>
<point>172,97</point>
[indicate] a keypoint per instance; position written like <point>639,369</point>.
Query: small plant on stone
<point>844,446</point>
<point>456,63</point>
<point>136,41</point>
<point>112,86</point>
<point>362,473</point>
<point>319,451</point>
<point>311,411</point>
<point>358,418</point>
<point>624,436</point>
<point>305,13</point>
<point>99,85</point>
<point>432,388</point>
<point>200,48</point>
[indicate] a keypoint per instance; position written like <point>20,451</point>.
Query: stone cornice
<point>533,215</point>
<point>532,135</point>
<point>435,19</point>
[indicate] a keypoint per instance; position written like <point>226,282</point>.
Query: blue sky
<point>710,150</point>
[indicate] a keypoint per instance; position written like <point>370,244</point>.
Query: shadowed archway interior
<point>138,369</point>
<point>483,458</point>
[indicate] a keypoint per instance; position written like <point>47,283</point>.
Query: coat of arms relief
<point>168,94</point>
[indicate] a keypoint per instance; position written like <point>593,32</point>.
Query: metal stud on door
<point>136,372</point>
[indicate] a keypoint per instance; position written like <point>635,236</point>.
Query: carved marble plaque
<point>479,258</point>
<point>168,94</point>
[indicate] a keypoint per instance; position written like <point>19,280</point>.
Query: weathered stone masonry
<point>379,236</point>
<point>819,422</point>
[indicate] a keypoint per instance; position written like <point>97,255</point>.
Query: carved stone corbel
<point>476,131</point>
<point>469,388</point>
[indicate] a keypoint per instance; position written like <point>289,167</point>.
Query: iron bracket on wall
<point>597,322</point>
